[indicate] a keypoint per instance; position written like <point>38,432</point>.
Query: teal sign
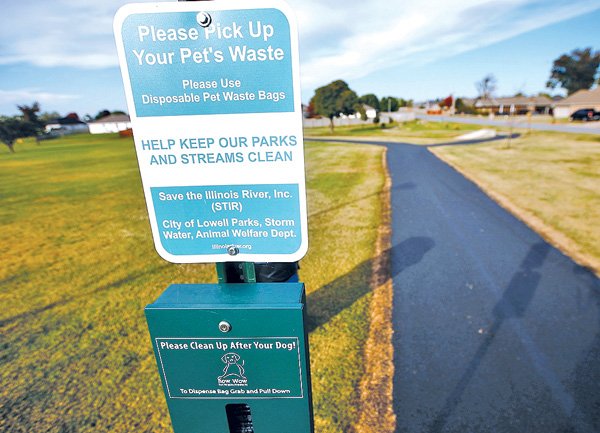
<point>257,367</point>
<point>198,219</point>
<point>178,68</point>
<point>214,98</point>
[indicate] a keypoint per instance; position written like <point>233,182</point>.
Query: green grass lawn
<point>79,266</point>
<point>550,180</point>
<point>416,131</point>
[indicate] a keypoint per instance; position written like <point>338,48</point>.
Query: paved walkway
<point>495,330</point>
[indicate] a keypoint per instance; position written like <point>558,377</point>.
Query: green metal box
<point>233,357</point>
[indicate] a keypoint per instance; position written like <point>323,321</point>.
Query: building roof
<point>582,97</point>
<point>65,121</point>
<point>113,118</point>
<point>467,101</point>
<point>514,100</point>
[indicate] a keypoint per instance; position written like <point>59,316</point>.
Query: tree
<point>28,125</point>
<point>47,116</point>
<point>310,110</point>
<point>13,128</point>
<point>347,102</point>
<point>360,109</point>
<point>101,114</point>
<point>370,99</point>
<point>463,107</point>
<point>334,99</point>
<point>446,102</point>
<point>486,87</point>
<point>30,113</point>
<point>574,71</point>
<point>389,103</point>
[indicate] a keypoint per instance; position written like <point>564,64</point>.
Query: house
<point>110,123</point>
<point>370,112</point>
<point>515,105</point>
<point>468,101</point>
<point>577,101</point>
<point>70,124</point>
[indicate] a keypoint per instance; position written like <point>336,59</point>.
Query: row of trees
<point>573,71</point>
<point>387,103</point>
<point>336,99</point>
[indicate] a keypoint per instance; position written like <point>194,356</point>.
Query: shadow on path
<point>513,303</point>
<point>333,298</point>
<point>587,371</point>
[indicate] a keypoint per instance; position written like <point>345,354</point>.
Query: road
<point>494,329</point>
<point>581,128</point>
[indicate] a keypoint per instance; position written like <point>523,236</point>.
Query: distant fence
<point>339,121</point>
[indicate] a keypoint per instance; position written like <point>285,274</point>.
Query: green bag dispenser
<point>233,358</point>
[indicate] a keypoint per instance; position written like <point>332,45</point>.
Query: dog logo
<point>233,367</point>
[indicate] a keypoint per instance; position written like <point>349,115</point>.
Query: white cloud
<point>59,33</point>
<point>20,96</point>
<point>348,39</point>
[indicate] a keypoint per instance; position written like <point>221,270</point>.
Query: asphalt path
<point>579,128</point>
<point>494,329</point>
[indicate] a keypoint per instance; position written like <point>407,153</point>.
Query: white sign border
<point>139,8</point>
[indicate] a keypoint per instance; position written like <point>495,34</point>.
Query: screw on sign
<point>204,19</point>
<point>224,326</point>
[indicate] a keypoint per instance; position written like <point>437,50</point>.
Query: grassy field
<point>79,266</point>
<point>550,180</point>
<point>416,131</point>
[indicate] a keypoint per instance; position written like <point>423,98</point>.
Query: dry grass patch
<point>376,388</point>
<point>550,180</point>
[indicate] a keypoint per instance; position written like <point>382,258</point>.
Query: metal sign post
<point>214,98</point>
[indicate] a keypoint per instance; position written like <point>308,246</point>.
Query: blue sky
<point>61,53</point>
